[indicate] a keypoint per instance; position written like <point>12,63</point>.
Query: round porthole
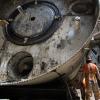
<point>80,7</point>
<point>20,65</point>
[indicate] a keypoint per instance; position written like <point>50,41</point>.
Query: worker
<point>90,71</point>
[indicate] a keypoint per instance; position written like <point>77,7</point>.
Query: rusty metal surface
<point>60,54</point>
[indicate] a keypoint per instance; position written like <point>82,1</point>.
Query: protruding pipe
<point>21,11</point>
<point>57,17</point>
<point>3,22</point>
<point>10,20</point>
<point>77,23</point>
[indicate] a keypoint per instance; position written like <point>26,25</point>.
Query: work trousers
<point>91,89</point>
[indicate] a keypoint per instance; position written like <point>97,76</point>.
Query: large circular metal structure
<point>45,39</point>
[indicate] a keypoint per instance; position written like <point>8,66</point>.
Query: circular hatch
<point>33,23</point>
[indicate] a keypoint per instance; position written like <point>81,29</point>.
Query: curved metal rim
<point>12,36</point>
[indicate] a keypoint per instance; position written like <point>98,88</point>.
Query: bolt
<point>21,11</point>
<point>92,39</point>
<point>10,20</point>
<point>57,17</point>
<point>25,40</point>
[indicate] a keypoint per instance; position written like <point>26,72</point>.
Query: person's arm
<point>98,74</point>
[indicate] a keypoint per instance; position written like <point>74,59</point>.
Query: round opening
<point>32,18</point>
<point>82,7</point>
<point>20,65</point>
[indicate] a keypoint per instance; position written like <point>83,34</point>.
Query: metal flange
<point>47,24</point>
